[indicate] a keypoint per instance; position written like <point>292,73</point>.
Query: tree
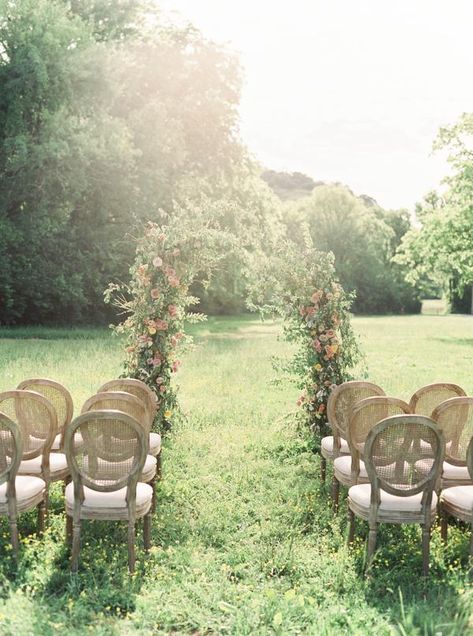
<point>442,248</point>
<point>362,239</point>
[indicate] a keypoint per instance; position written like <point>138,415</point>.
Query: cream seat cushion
<point>361,494</point>
<point>327,445</point>
<point>57,463</point>
<point>114,499</point>
<point>343,465</point>
<point>460,473</point>
<point>154,443</point>
<point>26,486</point>
<point>458,496</point>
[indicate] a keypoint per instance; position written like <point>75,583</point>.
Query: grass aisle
<point>244,539</point>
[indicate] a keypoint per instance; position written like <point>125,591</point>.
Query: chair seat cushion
<point>327,445</point>
<point>26,486</point>
<point>343,466</point>
<point>361,494</point>
<point>154,443</point>
<point>459,497</point>
<point>57,442</point>
<point>114,499</point>
<point>460,473</point>
<point>57,464</point>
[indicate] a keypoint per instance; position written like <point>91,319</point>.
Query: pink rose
<point>172,311</point>
<point>175,366</point>
<point>154,293</point>
<point>169,271</point>
<point>161,325</point>
<point>162,388</point>
<point>174,341</point>
<point>173,281</point>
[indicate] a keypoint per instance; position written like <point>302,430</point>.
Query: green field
<point>244,539</point>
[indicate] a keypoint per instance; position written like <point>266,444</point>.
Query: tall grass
<point>244,539</point>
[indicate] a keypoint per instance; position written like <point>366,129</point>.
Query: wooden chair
<point>37,420</point>
<point>142,391</point>
<point>59,397</point>
<point>454,418</point>
<point>105,471</point>
<point>398,492</point>
<point>17,493</point>
<point>339,407</point>
<point>133,406</point>
<point>350,469</point>
<point>427,398</point>
<point>458,500</point>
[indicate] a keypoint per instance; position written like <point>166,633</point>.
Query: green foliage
<point>363,240</point>
<point>442,247</point>
<point>99,129</point>
<point>244,541</point>
<point>301,286</point>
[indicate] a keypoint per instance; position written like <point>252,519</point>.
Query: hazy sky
<point>347,90</point>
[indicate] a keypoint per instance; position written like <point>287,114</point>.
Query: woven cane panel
<point>429,399</point>
<point>33,419</point>
<point>456,423</point>
<point>369,415</point>
<point>345,402</point>
<point>396,455</point>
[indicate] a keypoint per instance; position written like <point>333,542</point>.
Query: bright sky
<point>347,90</point>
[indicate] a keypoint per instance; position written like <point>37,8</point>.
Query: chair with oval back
<point>17,493</point>
<point>350,469</point>
<point>105,471</point>
<point>457,501</point>
<point>428,397</point>
<point>455,418</point>
<point>339,407</point>
<point>37,420</point>
<point>398,492</point>
<point>133,406</point>
<point>59,397</point>
<point>145,394</point>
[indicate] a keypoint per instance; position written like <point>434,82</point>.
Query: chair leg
<point>443,525</point>
<point>75,545</point>
<point>425,549</point>
<point>371,545</point>
<point>46,504</point>
<point>351,525</point>
<point>323,469</point>
<point>14,535</point>
<point>159,466</point>
<point>147,531</point>
<point>471,541</point>
<point>131,546</point>
<point>335,493</point>
<point>41,515</point>
<point>152,483</point>
<point>68,530</point>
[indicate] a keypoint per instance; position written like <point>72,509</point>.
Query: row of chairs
<point>109,452</point>
<point>396,458</point>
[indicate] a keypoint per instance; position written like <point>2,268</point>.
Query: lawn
<point>244,539</point>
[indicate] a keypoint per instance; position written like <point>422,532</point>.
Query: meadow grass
<point>244,539</point>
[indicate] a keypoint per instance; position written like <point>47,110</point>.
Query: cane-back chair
<point>350,469</point>
<point>59,397</point>
<point>146,395</point>
<point>37,420</point>
<point>398,491</point>
<point>105,470</point>
<point>455,418</point>
<point>458,500</point>
<point>18,493</point>
<point>133,406</point>
<point>339,408</point>
<point>427,398</point>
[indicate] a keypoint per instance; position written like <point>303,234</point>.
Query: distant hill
<point>289,186</point>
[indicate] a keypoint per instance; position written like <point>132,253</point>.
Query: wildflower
<point>167,414</point>
<point>157,261</point>
<point>161,325</point>
<point>175,365</point>
<point>159,380</point>
<point>173,281</point>
<point>172,310</point>
<point>155,293</point>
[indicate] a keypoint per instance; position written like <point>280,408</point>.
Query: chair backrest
<point>469,458</point>
<point>119,401</point>
<point>341,402</point>
<point>56,393</point>
<point>135,387</point>
<point>454,418</point>
<point>403,455</point>
<point>427,398</point>
<point>36,418</point>
<point>11,450</point>
<point>106,451</point>
<point>367,413</point>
